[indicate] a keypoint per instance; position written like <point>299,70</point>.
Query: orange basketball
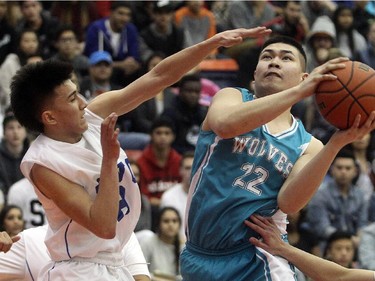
<point>340,101</point>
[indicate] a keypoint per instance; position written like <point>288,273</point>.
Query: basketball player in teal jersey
<point>254,157</point>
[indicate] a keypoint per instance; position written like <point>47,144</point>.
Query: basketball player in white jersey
<point>82,178</point>
<point>25,258</point>
<point>22,194</point>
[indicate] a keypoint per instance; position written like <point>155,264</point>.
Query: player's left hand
<point>354,133</point>
<point>109,137</point>
<point>232,37</point>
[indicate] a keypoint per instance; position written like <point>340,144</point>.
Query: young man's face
<point>65,112</point>
<point>31,10</point>
<point>343,171</point>
<point>185,169</point>
<point>119,18</point>
<point>67,43</point>
<point>101,72</point>
<point>341,252</point>
<point>162,137</point>
<point>280,67</point>
<point>293,12</point>
<point>190,92</point>
<point>14,133</point>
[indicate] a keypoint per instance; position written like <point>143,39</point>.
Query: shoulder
<point>225,94</point>
<point>314,146</point>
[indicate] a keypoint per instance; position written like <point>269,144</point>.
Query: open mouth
<point>273,74</point>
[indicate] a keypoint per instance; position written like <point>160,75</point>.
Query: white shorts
<point>100,268</point>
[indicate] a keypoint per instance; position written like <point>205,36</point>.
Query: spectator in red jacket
<point>159,165</point>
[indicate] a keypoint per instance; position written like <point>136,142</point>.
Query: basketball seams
<point>338,91</point>
<point>335,103</point>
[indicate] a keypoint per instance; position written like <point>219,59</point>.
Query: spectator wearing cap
<point>319,40</point>
<point>99,81</point>
<point>99,78</point>
<point>119,37</point>
<point>162,35</point>
<point>12,149</point>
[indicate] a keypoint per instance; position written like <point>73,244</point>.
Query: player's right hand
<point>6,241</point>
<point>321,73</point>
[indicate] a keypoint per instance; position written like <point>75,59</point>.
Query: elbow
<point>288,207</point>
<point>222,129</point>
<point>223,133</point>
<point>106,232</point>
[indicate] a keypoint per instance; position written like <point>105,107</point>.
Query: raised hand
<point>109,135</point>
<point>321,73</point>
<point>232,37</point>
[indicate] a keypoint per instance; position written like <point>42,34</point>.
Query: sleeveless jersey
<point>235,178</point>
<point>80,164</point>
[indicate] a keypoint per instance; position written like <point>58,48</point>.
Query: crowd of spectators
<point>112,43</point>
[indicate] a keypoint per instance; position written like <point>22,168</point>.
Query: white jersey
<point>28,255</point>
<point>24,260</point>
<point>22,194</point>
<point>81,164</point>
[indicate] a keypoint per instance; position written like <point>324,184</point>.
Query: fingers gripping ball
<point>340,101</point>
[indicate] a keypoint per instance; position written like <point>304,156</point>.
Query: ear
<point>304,76</point>
<point>48,118</point>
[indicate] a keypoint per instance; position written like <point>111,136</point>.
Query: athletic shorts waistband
<point>198,250</point>
<point>109,259</point>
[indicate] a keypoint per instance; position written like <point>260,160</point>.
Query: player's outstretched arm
<point>6,241</point>
<point>315,267</point>
<point>167,72</point>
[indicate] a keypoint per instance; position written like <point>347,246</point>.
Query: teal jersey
<point>235,178</point>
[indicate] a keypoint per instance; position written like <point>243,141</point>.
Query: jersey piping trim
<point>196,179</point>
<point>66,239</point>
<point>285,133</point>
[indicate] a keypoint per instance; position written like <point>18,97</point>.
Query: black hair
<point>188,154</point>
<point>4,213</point>
<point>349,32</point>
<point>189,78</point>
<point>346,152</point>
<point>162,122</point>
<point>63,28</point>
<point>20,53</point>
<point>152,56</point>
<point>32,85</point>
<point>120,4</point>
<point>286,40</point>
<point>8,118</point>
<point>337,235</point>
<point>177,242</point>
